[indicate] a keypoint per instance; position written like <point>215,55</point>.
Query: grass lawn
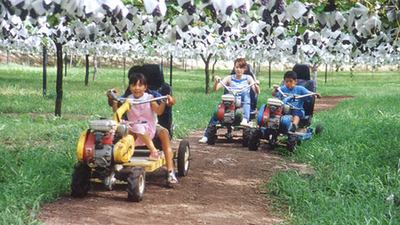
<point>356,158</point>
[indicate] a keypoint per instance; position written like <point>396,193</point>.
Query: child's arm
<point>111,102</point>
<point>159,108</point>
<point>274,91</point>
<point>217,85</point>
<point>255,87</point>
<point>318,94</point>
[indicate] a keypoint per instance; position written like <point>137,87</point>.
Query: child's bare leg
<point>166,147</point>
<point>296,120</point>
<point>147,140</point>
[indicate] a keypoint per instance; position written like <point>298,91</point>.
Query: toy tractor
<point>229,114</point>
<point>274,118</point>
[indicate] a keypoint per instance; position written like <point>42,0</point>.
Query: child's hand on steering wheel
<point>109,93</point>
<point>171,100</point>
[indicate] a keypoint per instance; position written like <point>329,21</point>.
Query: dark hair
<point>290,74</point>
<point>133,79</point>
<point>136,69</point>
<point>242,63</point>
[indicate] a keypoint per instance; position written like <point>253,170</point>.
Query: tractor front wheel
<point>254,139</point>
<point>80,183</point>
<point>136,184</point>
<point>246,136</point>
<point>212,134</point>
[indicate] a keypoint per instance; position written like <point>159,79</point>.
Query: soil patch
<point>222,187</point>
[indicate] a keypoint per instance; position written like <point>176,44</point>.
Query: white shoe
<point>203,140</point>
<point>244,123</point>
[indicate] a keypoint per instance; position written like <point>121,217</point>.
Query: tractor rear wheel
<point>318,129</point>
<point>183,158</point>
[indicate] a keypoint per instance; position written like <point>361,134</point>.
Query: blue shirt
<point>239,84</point>
<point>297,90</point>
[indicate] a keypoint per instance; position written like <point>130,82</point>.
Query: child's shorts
<point>299,113</point>
<point>160,128</point>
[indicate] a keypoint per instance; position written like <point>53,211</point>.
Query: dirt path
<point>223,187</point>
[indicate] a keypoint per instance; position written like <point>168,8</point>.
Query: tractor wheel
<point>183,158</point>
<point>212,134</point>
<point>318,129</point>
<point>246,136</point>
<point>80,183</point>
<point>136,184</point>
<point>291,142</point>
<point>254,139</point>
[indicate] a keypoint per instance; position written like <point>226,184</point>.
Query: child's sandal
<point>171,179</point>
<point>154,156</point>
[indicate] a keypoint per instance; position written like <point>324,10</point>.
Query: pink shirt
<point>142,113</point>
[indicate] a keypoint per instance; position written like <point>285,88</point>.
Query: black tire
<point>80,183</point>
<point>212,134</point>
<point>183,158</point>
<point>318,129</point>
<point>254,139</point>
<point>291,142</point>
<point>246,136</point>
<point>136,184</point>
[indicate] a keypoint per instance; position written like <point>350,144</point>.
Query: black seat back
<point>302,71</point>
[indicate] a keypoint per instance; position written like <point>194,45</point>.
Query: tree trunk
<point>65,63</point>
<point>59,79</point>
<point>44,70</point>
<point>8,56</point>
<point>70,61</point>
<point>314,73</point>
<point>87,70</point>
<point>213,70</point>
<point>269,74</point>
<point>207,72</point>
<point>170,69</point>
<point>95,68</point>
<point>123,78</point>
<point>326,72</point>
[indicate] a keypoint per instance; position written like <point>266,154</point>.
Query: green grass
<point>356,158</point>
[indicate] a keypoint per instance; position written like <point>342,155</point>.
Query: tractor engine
<point>271,116</point>
<point>104,133</point>
<point>274,119</point>
<point>102,144</point>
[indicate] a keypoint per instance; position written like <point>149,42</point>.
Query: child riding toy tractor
<point>275,119</point>
<point>229,115</point>
<point>106,153</point>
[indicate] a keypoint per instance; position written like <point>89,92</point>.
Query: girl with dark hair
<point>145,127</point>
